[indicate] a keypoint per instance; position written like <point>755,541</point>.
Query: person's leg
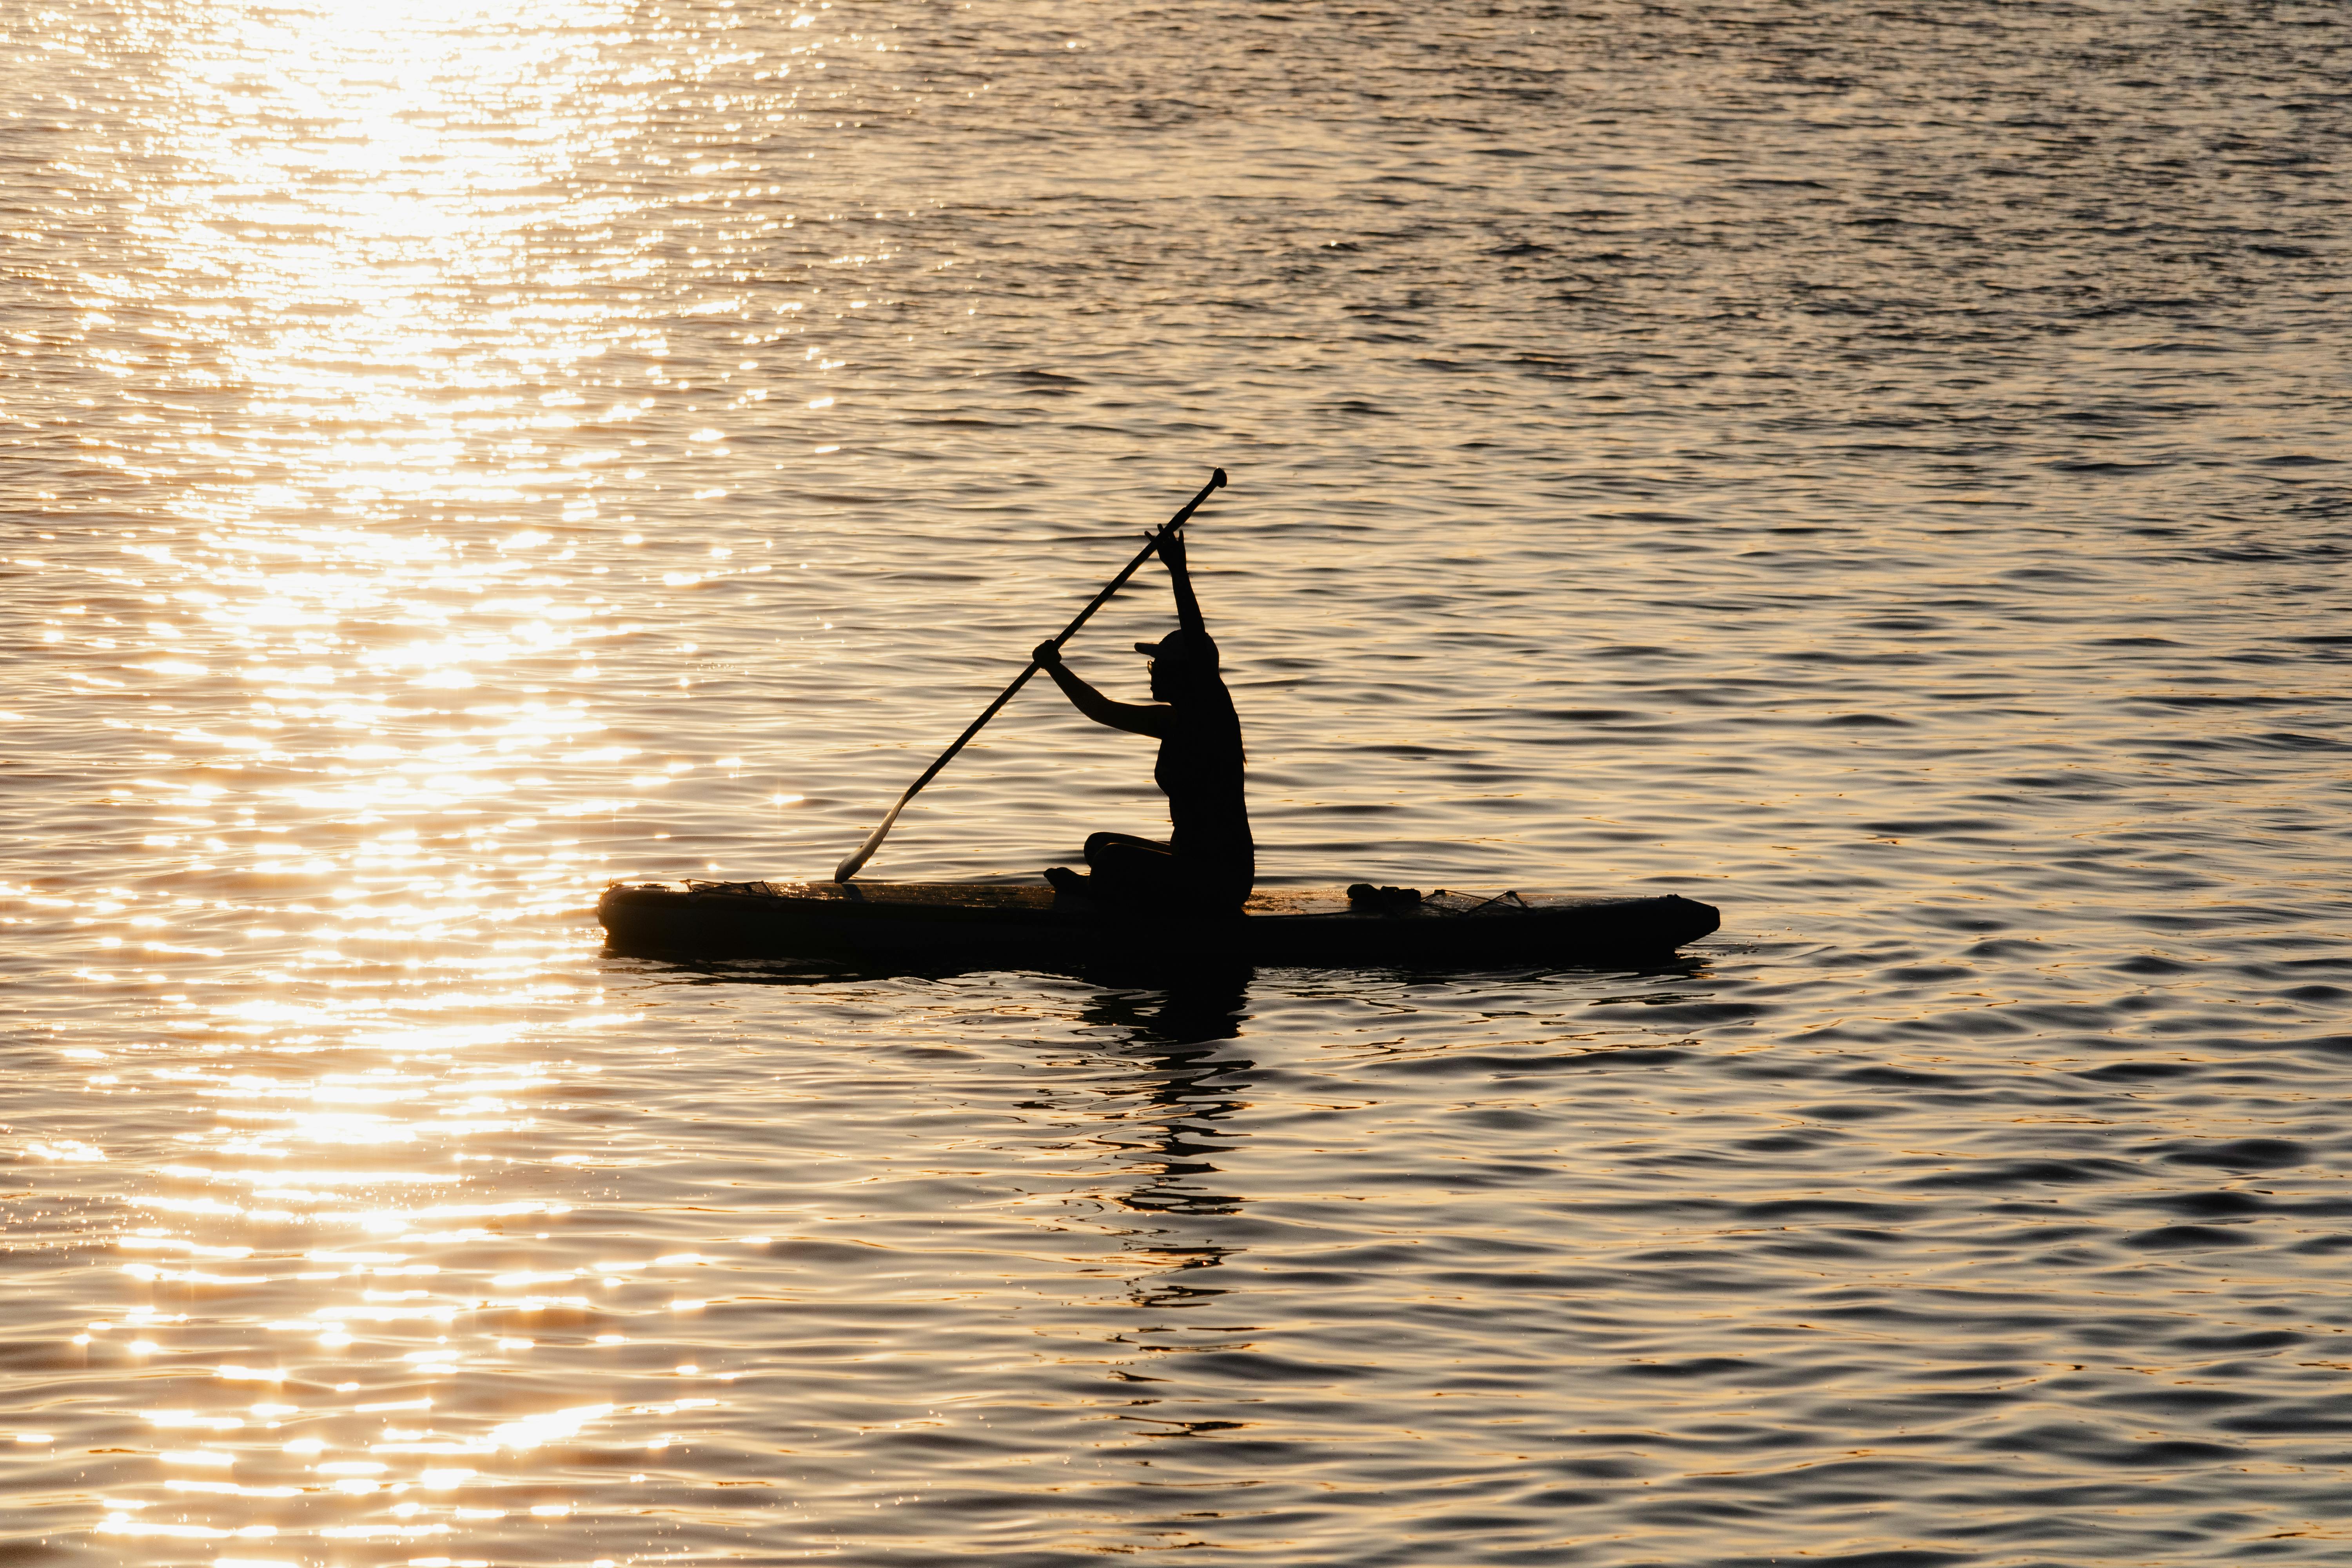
<point>1120,846</point>
<point>1125,868</point>
<point>1130,868</point>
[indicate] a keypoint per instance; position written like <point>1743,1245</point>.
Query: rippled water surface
<point>1877,470</point>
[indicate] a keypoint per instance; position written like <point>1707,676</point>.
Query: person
<point>1206,865</point>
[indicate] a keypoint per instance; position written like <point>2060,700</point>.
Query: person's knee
<point>1123,844</point>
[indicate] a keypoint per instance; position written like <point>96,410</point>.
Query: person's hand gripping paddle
<point>857,858</point>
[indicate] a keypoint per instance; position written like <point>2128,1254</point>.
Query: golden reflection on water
<point>340,299</point>
<point>347,183</point>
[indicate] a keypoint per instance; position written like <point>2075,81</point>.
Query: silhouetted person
<point>1208,863</point>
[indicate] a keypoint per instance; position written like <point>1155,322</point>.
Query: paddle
<point>864,852</point>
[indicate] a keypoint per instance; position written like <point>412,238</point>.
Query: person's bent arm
<point>1135,718</point>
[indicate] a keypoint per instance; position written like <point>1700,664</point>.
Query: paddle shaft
<point>850,865</point>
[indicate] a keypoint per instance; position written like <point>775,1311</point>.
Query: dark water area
<point>1878,470</point>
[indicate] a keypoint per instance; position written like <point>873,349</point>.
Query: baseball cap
<point>1183,647</point>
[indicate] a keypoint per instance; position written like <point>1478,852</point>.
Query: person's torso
<point>1199,770</point>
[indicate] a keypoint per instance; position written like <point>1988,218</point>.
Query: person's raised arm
<point>1135,718</point>
<point>1180,577</point>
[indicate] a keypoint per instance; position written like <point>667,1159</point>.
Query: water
<point>1877,470</point>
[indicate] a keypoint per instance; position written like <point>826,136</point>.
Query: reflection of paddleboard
<point>952,921</point>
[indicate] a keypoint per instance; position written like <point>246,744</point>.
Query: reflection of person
<point>1193,1095</point>
<point>1208,862</point>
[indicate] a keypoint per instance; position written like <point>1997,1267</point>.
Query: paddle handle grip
<point>857,859</point>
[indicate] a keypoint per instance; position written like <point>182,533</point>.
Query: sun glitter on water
<point>371,392</point>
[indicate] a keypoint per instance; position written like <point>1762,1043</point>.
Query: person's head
<point>1180,662</point>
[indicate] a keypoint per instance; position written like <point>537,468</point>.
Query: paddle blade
<point>857,859</point>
